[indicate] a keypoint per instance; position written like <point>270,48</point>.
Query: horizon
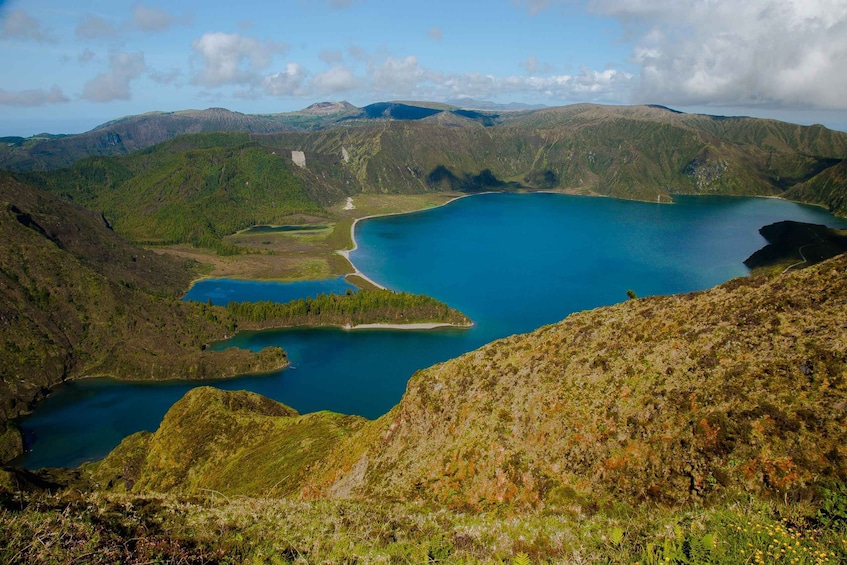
<point>71,68</point>
<point>76,126</point>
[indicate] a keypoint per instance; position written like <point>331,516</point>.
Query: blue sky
<point>69,66</point>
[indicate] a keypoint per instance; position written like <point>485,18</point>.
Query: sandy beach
<point>425,326</point>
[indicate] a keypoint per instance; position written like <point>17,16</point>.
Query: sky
<point>69,66</point>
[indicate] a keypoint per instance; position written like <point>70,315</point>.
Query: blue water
<point>510,262</point>
<point>223,291</point>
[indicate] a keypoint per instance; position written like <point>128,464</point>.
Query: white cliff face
<point>299,158</point>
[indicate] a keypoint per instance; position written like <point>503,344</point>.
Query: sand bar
<point>421,326</point>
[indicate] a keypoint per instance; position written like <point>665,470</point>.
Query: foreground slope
<point>671,399</point>
<point>667,398</point>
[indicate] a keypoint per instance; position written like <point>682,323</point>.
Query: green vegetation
<point>363,307</point>
<point>97,527</point>
<point>209,441</point>
<point>197,189</point>
<point>193,190</point>
<point>77,300</point>
<point>826,189</point>
<point>703,428</point>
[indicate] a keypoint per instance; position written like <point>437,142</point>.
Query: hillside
<point>700,428</point>
<point>77,300</point>
<point>190,190</point>
<point>198,189</point>
<point>673,399</point>
<point>124,135</point>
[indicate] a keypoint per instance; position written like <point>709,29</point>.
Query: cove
<point>512,262</point>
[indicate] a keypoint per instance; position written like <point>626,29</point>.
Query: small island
<point>365,309</point>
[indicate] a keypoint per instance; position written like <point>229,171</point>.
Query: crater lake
<point>511,262</point>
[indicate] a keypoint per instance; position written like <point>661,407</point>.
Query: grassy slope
<point>238,443</point>
<point>725,407</point>
<point>826,189</point>
<point>671,399</point>
<point>210,528</point>
<point>668,398</point>
<point>194,189</point>
<point>78,300</point>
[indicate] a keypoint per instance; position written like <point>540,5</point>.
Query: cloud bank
<point>232,58</point>
<point>37,97</point>
<point>20,25</point>
<point>114,84</point>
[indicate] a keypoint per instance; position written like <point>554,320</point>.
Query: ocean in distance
<point>511,262</point>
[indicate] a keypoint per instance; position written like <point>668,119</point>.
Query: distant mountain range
<point>124,135</point>
<point>634,152</point>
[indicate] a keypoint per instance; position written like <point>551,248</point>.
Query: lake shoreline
<point>329,369</point>
<point>355,272</point>
<point>346,252</point>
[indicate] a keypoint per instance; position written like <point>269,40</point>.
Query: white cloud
<point>722,52</point>
<point>336,79</point>
<point>114,84</point>
<point>151,19</point>
<point>231,58</point>
<point>401,75</point>
<point>404,77</point>
<point>95,27</point>
<point>285,83</point>
<point>435,33</point>
<point>331,56</point>
<point>38,97</point>
<point>20,25</point>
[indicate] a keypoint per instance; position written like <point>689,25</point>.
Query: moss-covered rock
<point>230,442</point>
